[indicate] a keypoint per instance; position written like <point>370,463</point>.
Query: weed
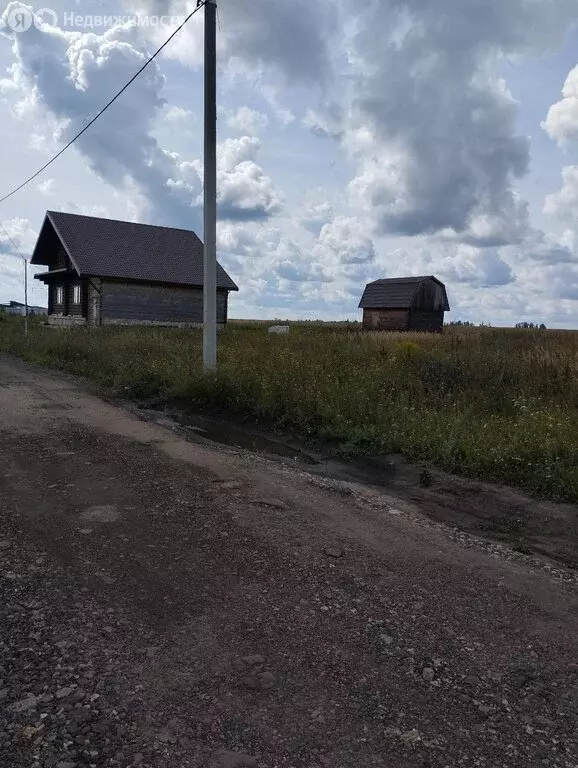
<point>492,404</point>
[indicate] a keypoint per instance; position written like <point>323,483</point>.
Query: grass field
<point>495,404</point>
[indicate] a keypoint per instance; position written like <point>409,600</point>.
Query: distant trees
<point>467,324</point>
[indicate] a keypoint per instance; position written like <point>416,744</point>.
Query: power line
<point>200,4</point>
<point>25,277</point>
<point>12,241</point>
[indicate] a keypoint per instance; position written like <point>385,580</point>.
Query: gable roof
<point>127,250</point>
<point>395,292</point>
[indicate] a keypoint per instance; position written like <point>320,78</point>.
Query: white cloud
<point>283,115</point>
<point>562,121</point>
<point>482,268</point>
<point>12,265</point>
<point>61,76</point>
<point>289,38</point>
<point>343,242</point>
<point>316,210</point>
<point>179,115</point>
<point>427,118</point>
<point>247,120</point>
<point>46,187</point>
<point>245,192</point>
<point>564,204</point>
<point>21,232</point>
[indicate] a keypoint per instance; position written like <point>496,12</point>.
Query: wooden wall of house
<point>426,321</point>
<point>144,303</point>
<point>55,308</point>
<point>93,316</point>
<point>385,319</point>
<point>61,261</point>
<point>429,297</point>
<point>73,309</point>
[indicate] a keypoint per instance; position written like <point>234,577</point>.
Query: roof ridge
<point>120,221</point>
<point>408,278</point>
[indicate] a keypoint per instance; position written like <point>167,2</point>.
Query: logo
<point>46,16</point>
<point>20,18</point>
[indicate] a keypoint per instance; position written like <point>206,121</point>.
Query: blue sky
<point>356,141</point>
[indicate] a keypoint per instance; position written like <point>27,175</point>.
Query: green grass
<point>493,404</point>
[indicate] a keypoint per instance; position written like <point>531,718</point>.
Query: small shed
<point>405,304</point>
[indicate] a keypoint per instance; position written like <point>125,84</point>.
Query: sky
<point>357,141</point>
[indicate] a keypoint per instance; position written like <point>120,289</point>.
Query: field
<point>494,404</point>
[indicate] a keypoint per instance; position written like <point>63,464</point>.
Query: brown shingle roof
<point>392,293</point>
<point>123,249</point>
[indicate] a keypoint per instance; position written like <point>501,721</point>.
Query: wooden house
<point>105,272</point>
<point>405,304</point>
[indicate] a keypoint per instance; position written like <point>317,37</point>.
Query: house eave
<point>145,281</point>
<point>55,274</point>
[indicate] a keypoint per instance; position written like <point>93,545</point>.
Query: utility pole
<point>25,296</point>
<point>210,191</point>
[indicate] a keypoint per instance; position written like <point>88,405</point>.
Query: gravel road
<point>168,604</point>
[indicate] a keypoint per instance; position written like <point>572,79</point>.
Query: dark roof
<point>393,292</point>
<point>123,249</point>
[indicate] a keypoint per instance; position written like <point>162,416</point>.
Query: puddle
<point>237,437</point>
<point>225,433</point>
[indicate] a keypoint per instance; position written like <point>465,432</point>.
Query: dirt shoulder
<point>171,603</point>
<point>498,513</point>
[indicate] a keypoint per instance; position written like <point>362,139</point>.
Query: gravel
<point>199,626</point>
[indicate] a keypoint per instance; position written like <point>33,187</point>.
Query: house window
<point>76,294</point>
<point>59,295</point>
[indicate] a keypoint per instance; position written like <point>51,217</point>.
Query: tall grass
<point>495,404</point>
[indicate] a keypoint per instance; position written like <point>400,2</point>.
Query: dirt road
<point>170,604</point>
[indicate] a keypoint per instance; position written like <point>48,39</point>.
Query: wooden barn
<point>405,304</point>
<point>104,272</point>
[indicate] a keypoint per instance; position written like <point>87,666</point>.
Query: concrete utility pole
<point>210,190</point>
<point>25,296</point>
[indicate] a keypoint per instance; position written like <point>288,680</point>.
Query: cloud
<point>343,241</point>
<point>482,268</point>
<point>65,77</point>
<point>547,248</point>
<point>316,211</point>
<point>46,187</point>
<point>439,160</point>
<point>245,192</point>
<point>179,115</point>
<point>289,38</point>
<point>283,115</point>
<point>461,265</point>
<point>564,204</point>
<point>21,232</point>
<point>247,120</point>
<point>11,264</point>
<point>562,121</point>
<point>427,118</point>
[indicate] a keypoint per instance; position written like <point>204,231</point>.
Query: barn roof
<point>124,249</point>
<point>395,292</point>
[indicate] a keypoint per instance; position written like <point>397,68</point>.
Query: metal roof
<point>393,292</point>
<point>126,250</point>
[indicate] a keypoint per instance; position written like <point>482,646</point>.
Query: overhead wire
<point>12,241</point>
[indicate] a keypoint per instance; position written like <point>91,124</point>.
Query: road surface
<point>170,604</point>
